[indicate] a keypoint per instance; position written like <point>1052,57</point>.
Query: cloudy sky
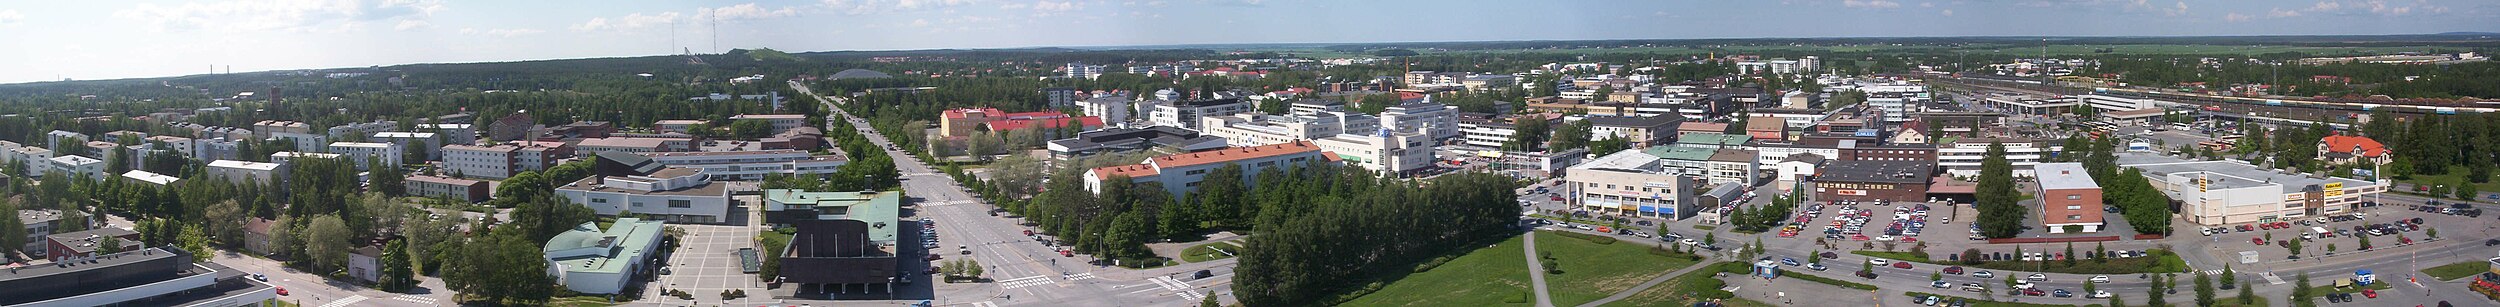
<point>51,40</point>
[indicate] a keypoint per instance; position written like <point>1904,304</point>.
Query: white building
<point>751,165</point>
<point>180,145</point>
<point>1385,151</point>
<point>1253,128</point>
<point>674,194</point>
<point>1487,133</point>
<point>78,166</point>
<point>429,142</point>
<point>1897,101</point>
<point>1631,183</point>
<point>365,128</point>
<point>361,154</point>
<point>1078,70</point>
<point>1185,114</point>
<point>491,162</point>
<point>304,142</point>
<point>451,133</point>
<point>1110,109</point>
<point>213,149</point>
<point>1963,156</point>
<point>1435,120</point>
<point>289,157</point>
<point>36,159</point>
<point>150,178</point>
<point>2228,192</point>
<point>246,171</point>
<point>2106,104</point>
<point>781,122</point>
<point>588,260</point>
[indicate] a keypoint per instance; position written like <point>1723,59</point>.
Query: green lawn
<point>1593,271</point>
<point>584,301</point>
<point>2230,298</point>
<point>2158,262</point>
<point>2454,271</point>
<point>1488,276</point>
<point>1209,252</point>
<point>1692,287</point>
<point>2452,178</point>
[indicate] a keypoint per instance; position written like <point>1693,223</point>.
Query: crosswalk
<point>1169,283</point>
<point>2213,272</point>
<point>1026,281</point>
<point>414,299</point>
<point>1192,296</point>
<point>984,304</point>
<point>1079,276</point>
<point>350,300</point>
<point>2271,279</point>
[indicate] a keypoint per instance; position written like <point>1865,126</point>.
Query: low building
<point>630,183</point>
<point>781,122</point>
<point>676,125</point>
<point>2068,198</point>
<point>787,206</point>
<point>1869,181</point>
<point>246,171</point>
<point>141,176</point>
<point>1181,173</point>
<point>83,244</point>
<point>1641,131</point>
<point>39,224</point>
<point>2227,192</point>
<point>2133,118</point>
<point>592,261</point>
<point>446,187</point>
<point>256,235</point>
<point>751,165</point>
<point>1185,114</point>
<point>1113,140</point>
<point>1385,152</point>
<point>830,258</point>
<point>1631,183</point>
<point>633,145</point>
<point>142,277</point>
<point>1963,156</point>
<point>365,263</point>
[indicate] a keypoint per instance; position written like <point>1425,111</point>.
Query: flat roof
<point>2061,176</point>
<point>150,177</point>
<point>624,240</point>
<point>442,180</point>
<point>2240,174</point>
<point>874,208</point>
<point>1877,171</point>
<point>1680,153</point>
<point>706,189</point>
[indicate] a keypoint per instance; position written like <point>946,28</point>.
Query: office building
<point>1180,173</point>
<point>1640,131</point>
<point>1962,157</point>
<point>84,244</point>
<point>1386,152</point>
<point>1435,120</point>
<point>1869,181</point>
<point>592,261</point>
<point>1114,140</point>
<point>1253,128</point>
<point>751,165</point>
<point>1631,183</point>
<point>1186,114</point>
<point>142,277</point>
<point>964,122</point>
<point>2068,198</point>
<point>39,224</point>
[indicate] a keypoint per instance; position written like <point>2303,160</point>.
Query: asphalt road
<point>1021,271</point>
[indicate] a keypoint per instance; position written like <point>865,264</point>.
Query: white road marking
<point>1192,296</point>
<point>1027,281</point>
<point>349,300</point>
<point>1080,276</point>
<point>414,299</point>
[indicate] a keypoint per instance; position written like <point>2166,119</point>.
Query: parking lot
<point>2382,226</point>
<point>1852,220</point>
<point>704,264</point>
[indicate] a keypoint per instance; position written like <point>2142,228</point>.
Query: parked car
<point>1955,270</point>
<point>1816,266</point>
<point>2037,277</point>
<point>1878,261</point>
<point>1940,284</point>
<point>1983,274</point>
<point>2100,279</point>
<point>1901,265</point>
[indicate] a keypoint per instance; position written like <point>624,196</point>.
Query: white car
<point>2100,279</point>
<point>1940,284</point>
<point>1884,238</point>
<point>2037,277</point>
<point>1983,274</point>
<point>1689,242</point>
<point>1878,261</point>
<point>2099,294</point>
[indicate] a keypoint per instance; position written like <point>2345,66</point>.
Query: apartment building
<point>446,187</point>
<point>247,171</point>
<point>1393,153</point>
<point>2068,198</point>
<point>80,166</point>
<point>365,128</point>
<point>362,154</point>
<point>289,157</point>
<point>472,161</point>
<point>1253,128</point>
<point>1113,109</point>
<point>430,143</point>
<point>1186,114</point>
<point>1641,131</point>
<point>781,122</point>
<point>451,134</point>
<point>1962,157</point>
<point>1435,120</point>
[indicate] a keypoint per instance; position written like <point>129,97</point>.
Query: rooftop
<point>1877,171</point>
<point>159,179</point>
<point>623,240</point>
<point>442,180</point>
<point>768,116</point>
<point>86,241</point>
<point>875,208</point>
<point>625,142</point>
<point>1681,153</point>
<point>2230,174</point>
<point>1235,154</point>
<point>2060,176</point>
<point>2348,144</point>
<point>1634,122</point>
<point>1712,139</point>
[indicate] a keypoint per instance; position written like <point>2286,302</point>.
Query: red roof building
<point>2342,149</point>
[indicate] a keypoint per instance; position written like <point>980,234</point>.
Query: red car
<point>1065,253</point>
<point>1028,232</point>
<point>2259,241</point>
<point>281,291</point>
<point>2034,292</point>
<point>1901,265</point>
<point>1955,270</point>
<point>2369,293</point>
<point>1558,198</point>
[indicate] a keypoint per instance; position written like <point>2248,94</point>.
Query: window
<point>598,200</point>
<point>1194,184</point>
<point>2074,217</point>
<point>2074,196</point>
<point>1195,172</point>
<point>2074,207</point>
<point>1266,164</point>
<point>680,203</point>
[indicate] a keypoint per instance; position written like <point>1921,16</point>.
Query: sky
<point>87,40</point>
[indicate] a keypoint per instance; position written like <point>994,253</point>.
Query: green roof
<point>1712,139</point>
<point>587,249</point>
<point>871,207</point>
<point>1680,153</point>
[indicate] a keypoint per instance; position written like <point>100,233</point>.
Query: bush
<point>1600,240</point>
<point>1434,263</point>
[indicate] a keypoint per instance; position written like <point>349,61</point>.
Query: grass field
<point>2230,299</point>
<point>2452,178</point>
<point>583,301</point>
<point>1686,289</point>
<point>1209,252</point>
<point>1489,276</point>
<point>1592,271</point>
<point>2454,271</point>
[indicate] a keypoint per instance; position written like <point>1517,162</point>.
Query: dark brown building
<point>1873,180</point>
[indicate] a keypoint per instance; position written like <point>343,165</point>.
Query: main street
<point>1021,271</point>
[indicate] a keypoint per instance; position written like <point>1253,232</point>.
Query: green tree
<point>12,231</point>
<point>2204,290</point>
<point>398,272</point>
<point>2229,276</point>
<point>2153,294</point>
<point>2070,254</point>
<point>108,245</point>
<point>328,240</point>
<point>1608,145</point>
<point>1999,214</point>
<point>1935,276</point>
<point>2100,254</point>
<point>1528,133</point>
<point>751,129</point>
<point>2115,302</point>
<point>2300,289</point>
<point>1570,135</point>
<point>2248,295</point>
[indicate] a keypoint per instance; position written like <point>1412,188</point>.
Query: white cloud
<point>1874,4</point>
<point>411,24</point>
<point>305,15</point>
<point>2235,17</point>
<point>920,22</point>
<point>751,11</point>
<point>861,7</point>
<point>10,17</point>
<point>1047,6</point>
<point>629,22</point>
<point>1948,12</point>
<point>2325,6</point>
<point>500,32</point>
<point>2181,10</point>
<point>1926,4</point>
<point>2280,13</point>
<point>1014,6</point>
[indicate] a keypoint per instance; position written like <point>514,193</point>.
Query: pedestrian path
<point>1192,296</point>
<point>1079,276</point>
<point>347,301</point>
<point>985,304</point>
<point>1026,281</point>
<point>1536,273</point>
<point>1169,283</point>
<point>2272,279</point>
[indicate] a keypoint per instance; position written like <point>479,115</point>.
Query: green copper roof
<point>875,208</point>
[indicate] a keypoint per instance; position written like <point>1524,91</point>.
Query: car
<point>2034,292</point>
<point>1028,232</point>
<point>1940,284</point>
<point>2037,277</point>
<point>1202,274</point>
<point>2261,241</point>
<point>2492,242</point>
<point>1689,242</point>
<point>1901,265</point>
<point>1983,274</point>
<point>1816,266</point>
<point>2369,293</point>
<point>1931,300</point>
<point>2061,293</point>
<point>2100,279</point>
<point>666,271</point>
<point>259,277</point>
<point>1878,261</point>
<point>1788,261</point>
<point>281,291</point>
<point>2334,298</point>
<point>1955,270</point>
<point>1866,274</point>
<point>2099,294</point>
